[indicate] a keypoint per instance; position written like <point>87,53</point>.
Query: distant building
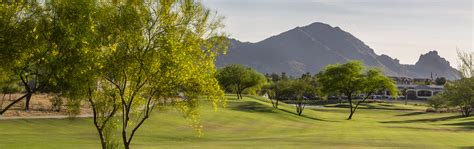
<point>416,88</point>
<point>421,91</point>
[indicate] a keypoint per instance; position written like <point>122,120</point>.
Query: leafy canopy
<point>239,78</point>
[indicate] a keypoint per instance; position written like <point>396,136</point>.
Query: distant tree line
<point>349,80</point>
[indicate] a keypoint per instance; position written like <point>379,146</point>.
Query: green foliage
<point>374,80</point>
<point>284,76</point>
<point>159,51</point>
<point>440,81</point>
<point>56,103</point>
<point>437,102</point>
<point>274,77</point>
<point>460,94</point>
<point>8,83</point>
<point>299,90</point>
<point>73,107</point>
<point>25,53</point>
<point>350,80</point>
<point>124,57</point>
<point>239,79</point>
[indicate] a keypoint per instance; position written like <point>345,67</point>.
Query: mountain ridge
<point>310,48</point>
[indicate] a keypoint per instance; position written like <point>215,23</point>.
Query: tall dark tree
<point>284,76</point>
<point>275,77</point>
<point>440,81</point>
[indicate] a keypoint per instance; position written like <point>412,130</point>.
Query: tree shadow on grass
<point>426,120</point>
<point>370,106</point>
<point>386,105</point>
<point>232,98</point>
<point>467,147</point>
<point>466,125</point>
<point>305,116</point>
<point>412,114</point>
<point>251,106</point>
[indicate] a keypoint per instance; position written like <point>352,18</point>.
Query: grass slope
<point>253,123</point>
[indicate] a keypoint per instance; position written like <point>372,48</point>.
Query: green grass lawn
<point>253,123</point>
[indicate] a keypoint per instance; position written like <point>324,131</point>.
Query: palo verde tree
<point>25,53</point>
<point>51,46</point>
<point>299,90</point>
<point>239,78</point>
<point>350,79</point>
<point>144,55</point>
<point>276,90</point>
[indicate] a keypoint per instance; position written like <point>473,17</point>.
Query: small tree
<point>299,89</point>
<point>239,78</point>
<point>437,102</point>
<point>279,90</point>
<point>136,56</point>
<point>268,90</point>
<point>460,94</point>
<point>351,80</point>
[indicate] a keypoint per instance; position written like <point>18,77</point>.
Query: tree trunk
<point>239,94</point>
<point>273,103</point>
<point>299,109</point>
<point>3,101</point>
<point>349,98</point>
<point>406,99</point>
<point>466,111</point>
<point>102,139</point>
<point>350,116</point>
<point>27,103</point>
<point>127,145</point>
<point>13,103</point>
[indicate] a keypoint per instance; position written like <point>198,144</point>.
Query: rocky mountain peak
<point>310,48</point>
<point>432,58</point>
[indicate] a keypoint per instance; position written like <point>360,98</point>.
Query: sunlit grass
<point>253,123</point>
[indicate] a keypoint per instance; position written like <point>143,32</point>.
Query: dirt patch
<point>40,105</point>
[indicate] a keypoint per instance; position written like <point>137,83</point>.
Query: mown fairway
<point>252,123</point>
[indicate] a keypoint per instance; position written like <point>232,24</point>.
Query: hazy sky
<point>403,29</point>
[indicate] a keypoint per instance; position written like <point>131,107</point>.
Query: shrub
<point>56,103</point>
<point>430,109</point>
<point>437,102</point>
<point>73,107</point>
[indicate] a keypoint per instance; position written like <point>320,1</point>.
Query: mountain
<point>310,48</point>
